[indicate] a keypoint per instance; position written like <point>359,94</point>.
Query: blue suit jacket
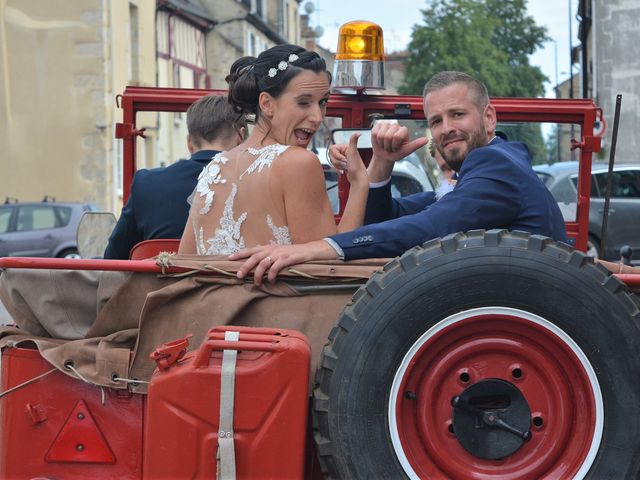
<point>157,206</point>
<point>497,188</point>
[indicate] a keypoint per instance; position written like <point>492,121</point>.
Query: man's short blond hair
<point>212,118</point>
<point>444,79</point>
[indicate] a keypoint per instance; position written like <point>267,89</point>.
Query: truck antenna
<point>612,154</point>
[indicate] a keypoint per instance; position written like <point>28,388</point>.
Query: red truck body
<point>57,426</point>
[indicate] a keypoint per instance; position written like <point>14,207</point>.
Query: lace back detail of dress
<point>281,235</point>
<point>227,238</point>
<point>210,175</point>
<point>266,156</point>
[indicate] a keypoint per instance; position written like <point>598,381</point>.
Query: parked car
<point>623,225</point>
<point>40,229</point>
<point>408,177</point>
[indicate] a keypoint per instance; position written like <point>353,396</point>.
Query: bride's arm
<point>353,216</point>
<point>298,175</point>
<point>188,241</point>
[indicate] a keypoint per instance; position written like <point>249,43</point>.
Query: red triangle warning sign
<point>80,440</point>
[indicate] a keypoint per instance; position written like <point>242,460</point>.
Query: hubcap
<point>495,391</point>
<point>491,419</point>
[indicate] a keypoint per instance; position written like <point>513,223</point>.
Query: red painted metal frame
<point>357,111</point>
<point>630,279</point>
<point>42,435</point>
<point>82,264</point>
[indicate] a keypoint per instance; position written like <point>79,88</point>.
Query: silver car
<point>623,226</point>
<point>40,229</point>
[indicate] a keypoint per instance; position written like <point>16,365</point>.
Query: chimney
<point>307,34</point>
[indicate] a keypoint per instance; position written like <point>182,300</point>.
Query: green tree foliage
<point>551,145</point>
<point>488,39</point>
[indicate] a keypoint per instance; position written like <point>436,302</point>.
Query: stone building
<point>63,63</point>
<point>615,48</point>
<point>198,40</point>
<point>611,61</point>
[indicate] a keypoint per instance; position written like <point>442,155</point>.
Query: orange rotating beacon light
<point>359,61</point>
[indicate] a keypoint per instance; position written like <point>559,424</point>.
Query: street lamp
<point>555,58</point>
<point>573,154</point>
<point>557,89</point>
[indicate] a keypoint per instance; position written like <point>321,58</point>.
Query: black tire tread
<point>413,259</point>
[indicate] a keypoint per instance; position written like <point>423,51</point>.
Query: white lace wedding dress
<point>232,206</point>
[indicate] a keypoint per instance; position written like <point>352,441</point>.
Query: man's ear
<point>238,136</point>
<point>190,145</point>
<point>266,103</point>
<point>490,119</point>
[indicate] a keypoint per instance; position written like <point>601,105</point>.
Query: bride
<point>270,188</point>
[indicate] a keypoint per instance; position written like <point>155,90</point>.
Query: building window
<point>183,45</point>
<point>251,44</point>
<point>256,7</point>
<point>259,8</point>
<point>283,18</point>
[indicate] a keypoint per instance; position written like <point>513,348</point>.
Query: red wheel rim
<point>531,353</point>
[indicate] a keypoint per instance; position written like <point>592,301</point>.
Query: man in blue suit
<point>496,186</point>
<point>157,206</point>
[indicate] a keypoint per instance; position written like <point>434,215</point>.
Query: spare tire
<point>483,355</point>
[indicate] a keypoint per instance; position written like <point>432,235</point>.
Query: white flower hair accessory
<point>282,66</point>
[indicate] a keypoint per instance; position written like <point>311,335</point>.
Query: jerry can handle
<point>209,346</point>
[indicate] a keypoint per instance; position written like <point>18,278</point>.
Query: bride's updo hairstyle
<point>271,72</point>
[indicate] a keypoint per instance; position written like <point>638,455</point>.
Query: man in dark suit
<point>496,187</point>
<point>157,206</point>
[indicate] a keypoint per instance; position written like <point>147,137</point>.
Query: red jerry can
<point>261,430</point>
<point>55,426</point>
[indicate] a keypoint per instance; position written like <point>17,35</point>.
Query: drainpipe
<point>585,24</point>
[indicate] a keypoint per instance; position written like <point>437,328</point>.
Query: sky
<point>398,17</point>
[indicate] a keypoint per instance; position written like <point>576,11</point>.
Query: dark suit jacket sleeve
<point>126,232</point>
<point>381,206</point>
<point>486,198</point>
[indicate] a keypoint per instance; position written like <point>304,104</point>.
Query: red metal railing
<point>357,111</point>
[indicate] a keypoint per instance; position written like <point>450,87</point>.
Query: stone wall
<point>617,71</point>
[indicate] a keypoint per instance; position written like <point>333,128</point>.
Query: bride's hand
<point>356,171</point>
<point>338,157</point>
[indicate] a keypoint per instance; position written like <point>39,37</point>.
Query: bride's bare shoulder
<point>298,158</point>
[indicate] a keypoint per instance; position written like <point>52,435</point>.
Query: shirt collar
<point>204,155</point>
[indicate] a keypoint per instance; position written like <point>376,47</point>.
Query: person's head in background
<point>213,124</point>
<point>286,88</point>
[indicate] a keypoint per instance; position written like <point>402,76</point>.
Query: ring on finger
<point>269,258</point>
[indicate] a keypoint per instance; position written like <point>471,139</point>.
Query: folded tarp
<point>106,324</point>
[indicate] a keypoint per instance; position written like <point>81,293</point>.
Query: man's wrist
<point>332,243</point>
<point>379,171</point>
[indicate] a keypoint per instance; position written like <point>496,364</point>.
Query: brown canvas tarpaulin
<point>147,310</point>
<point>57,303</point>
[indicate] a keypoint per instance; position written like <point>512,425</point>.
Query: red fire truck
<point>484,354</point>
